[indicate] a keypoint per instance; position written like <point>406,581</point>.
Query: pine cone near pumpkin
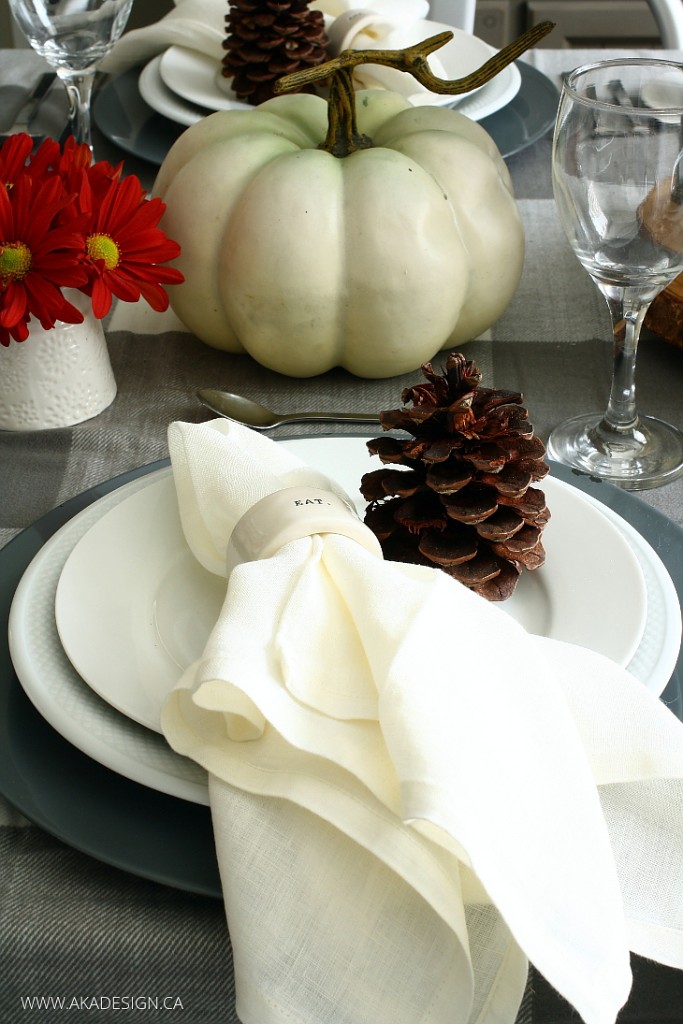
<point>462,498</point>
<point>267,39</point>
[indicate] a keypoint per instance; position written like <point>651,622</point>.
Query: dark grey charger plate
<point>137,829</point>
<point>125,119</point>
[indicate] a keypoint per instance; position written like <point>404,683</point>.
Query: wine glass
<point>618,184</point>
<point>73,36</point>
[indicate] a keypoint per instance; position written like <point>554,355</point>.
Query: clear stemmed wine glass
<point>618,186</point>
<point>73,36</point>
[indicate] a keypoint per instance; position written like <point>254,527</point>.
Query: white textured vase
<point>56,378</point>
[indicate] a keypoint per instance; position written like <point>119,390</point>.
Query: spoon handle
<point>253,415</point>
<point>331,417</point>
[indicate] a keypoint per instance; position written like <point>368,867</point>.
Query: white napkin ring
<point>290,514</point>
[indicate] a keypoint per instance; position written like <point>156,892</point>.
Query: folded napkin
<point>411,796</point>
<point>194,24</point>
<point>390,25</point>
<point>200,25</point>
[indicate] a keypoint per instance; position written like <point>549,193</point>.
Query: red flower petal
<point>101,298</point>
<point>19,332</point>
<point>155,295</point>
<point>14,153</point>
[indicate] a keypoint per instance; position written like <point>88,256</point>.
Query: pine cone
<point>267,39</point>
<point>462,500</point>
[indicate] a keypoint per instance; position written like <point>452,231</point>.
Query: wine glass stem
<point>79,86</point>
<point>621,414</point>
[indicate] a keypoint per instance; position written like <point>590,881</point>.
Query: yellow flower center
<point>103,247</point>
<point>15,261</point>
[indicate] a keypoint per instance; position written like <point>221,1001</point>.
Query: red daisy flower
<point>66,222</point>
<point>124,245</point>
<point>38,257</point>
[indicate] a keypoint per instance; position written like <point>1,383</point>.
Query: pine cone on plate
<point>461,498</point>
<point>267,39</point>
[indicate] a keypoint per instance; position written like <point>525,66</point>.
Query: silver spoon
<point>236,407</point>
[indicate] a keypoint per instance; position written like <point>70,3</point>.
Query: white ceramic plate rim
<point>134,609</point>
<point>137,753</point>
<point>159,97</point>
<point>493,96</point>
<point>191,75</point>
<point>657,653</point>
<point>59,694</point>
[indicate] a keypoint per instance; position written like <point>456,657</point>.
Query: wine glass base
<point>649,456</point>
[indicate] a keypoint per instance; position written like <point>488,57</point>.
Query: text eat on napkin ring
<point>290,514</point>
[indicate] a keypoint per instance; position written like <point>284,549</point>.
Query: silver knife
<point>25,117</point>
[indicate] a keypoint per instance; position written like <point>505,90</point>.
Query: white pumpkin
<point>374,262</point>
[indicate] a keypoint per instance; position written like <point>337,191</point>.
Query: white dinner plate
<point>98,730</point>
<point>657,653</point>
<point>56,690</point>
<point>134,608</point>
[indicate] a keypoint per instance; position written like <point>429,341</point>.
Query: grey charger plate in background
<point>125,119</point>
<point>140,830</point>
<point>529,116</point>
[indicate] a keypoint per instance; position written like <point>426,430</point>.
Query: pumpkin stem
<point>342,135</point>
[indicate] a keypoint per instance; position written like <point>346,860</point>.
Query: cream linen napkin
<point>195,24</point>
<point>389,25</point>
<point>411,795</point>
<point>200,25</point>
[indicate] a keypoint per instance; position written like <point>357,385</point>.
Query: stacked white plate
<point>114,608</point>
<point>185,85</point>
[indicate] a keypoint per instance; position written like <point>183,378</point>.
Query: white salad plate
<point>197,77</point>
<point>152,615</point>
<point>162,99</point>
